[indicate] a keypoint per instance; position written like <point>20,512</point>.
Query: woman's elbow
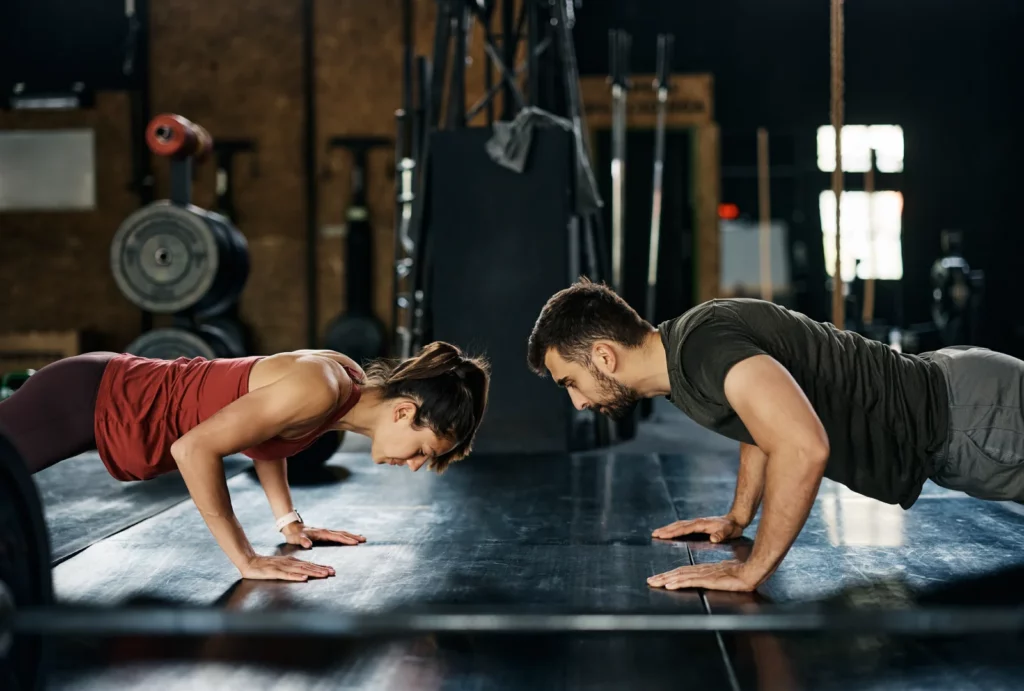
<point>182,450</point>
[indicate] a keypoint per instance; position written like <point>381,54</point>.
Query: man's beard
<point>619,398</point>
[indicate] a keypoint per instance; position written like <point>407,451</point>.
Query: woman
<point>150,417</point>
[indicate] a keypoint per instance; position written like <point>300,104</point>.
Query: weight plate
<point>234,267</point>
<point>25,577</point>
<point>361,338</point>
<point>238,337</point>
<point>223,342</point>
<point>171,344</point>
<point>307,466</point>
<point>165,258</point>
<point>951,290</point>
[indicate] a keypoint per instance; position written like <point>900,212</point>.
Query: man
<point>804,399</point>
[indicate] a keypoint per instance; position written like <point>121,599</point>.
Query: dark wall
<point>947,72</point>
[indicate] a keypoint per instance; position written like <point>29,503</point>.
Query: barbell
<point>28,615</point>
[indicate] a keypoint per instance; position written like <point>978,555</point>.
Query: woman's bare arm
<point>304,396</point>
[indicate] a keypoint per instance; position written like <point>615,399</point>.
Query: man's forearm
<point>749,485</point>
<point>791,484</point>
<point>204,476</point>
<point>273,476</point>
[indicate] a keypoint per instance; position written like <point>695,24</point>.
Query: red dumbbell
<point>176,137</point>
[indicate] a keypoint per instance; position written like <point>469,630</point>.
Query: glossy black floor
<point>546,533</point>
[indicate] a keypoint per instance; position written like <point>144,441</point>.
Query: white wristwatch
<point>287,519</point>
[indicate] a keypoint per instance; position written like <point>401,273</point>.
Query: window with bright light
<point>872,226</point>
<point>858,143</point>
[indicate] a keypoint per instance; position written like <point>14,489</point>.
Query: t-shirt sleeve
<point>710,351</point>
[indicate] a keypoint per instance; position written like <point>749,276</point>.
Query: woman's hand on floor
<point>284,569</point>
<point>304,536</point>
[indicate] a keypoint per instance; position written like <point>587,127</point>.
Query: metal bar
<point>401,225</point>
<point>532,39</point>
<point>764,203</point>
<point>619,49</point>
<point>420,112</point>
<point>456,111</point>
<point>507,81</point>
<point>838,100</point>
<point>439,72</point>
<point>181,181</point>
<point>401,310</point>
<point>663,84</point>
<point>868,310</point>
<point>407,56</point>
<point>488,22</point>
<point>197,621</point>
<point>309,168</point>
<point>509,43</point>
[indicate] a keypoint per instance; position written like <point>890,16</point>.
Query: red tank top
<point>143,406</point>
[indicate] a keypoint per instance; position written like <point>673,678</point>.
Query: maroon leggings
<point>50,417</point>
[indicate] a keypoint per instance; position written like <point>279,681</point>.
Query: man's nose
<point>578,400</point>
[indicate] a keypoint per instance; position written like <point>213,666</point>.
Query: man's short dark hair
<point>578,316</point>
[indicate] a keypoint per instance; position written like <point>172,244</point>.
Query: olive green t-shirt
<point>886,413</point>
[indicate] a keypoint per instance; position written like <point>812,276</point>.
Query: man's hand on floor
<point>725,575</point>
<point>718,528</point>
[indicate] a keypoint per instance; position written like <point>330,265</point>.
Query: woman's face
<point>397,442</point>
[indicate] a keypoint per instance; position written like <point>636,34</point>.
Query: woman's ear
<point>404,410</point>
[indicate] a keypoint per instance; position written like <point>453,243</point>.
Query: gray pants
<point>984,453</point>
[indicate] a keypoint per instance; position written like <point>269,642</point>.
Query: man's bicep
<point>773,407</point>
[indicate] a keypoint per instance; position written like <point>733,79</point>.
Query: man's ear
<point>604,357</point>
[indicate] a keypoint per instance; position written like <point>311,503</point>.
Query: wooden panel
<point>36,349</point>
<point>55,266</point>
<point>690,102</point>
<point>707,183</point>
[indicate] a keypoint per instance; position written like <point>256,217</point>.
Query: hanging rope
<point>838,300</point>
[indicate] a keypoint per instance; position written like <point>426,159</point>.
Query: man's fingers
<point>692,571</point>
<point>697,525</point>
<point>662,577</point>
<point>673,530</point>
<point>680,583</point>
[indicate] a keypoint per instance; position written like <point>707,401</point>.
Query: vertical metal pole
<point>663,84</point>
<point>489,65</point>
<point>509,43</point>
<point>868,309</point>
<point>838,297</point>
<point>532,39</point>
<point>765,212</point>
<point>620,45</point>
<point>457,97</point>
<point>309,156</point>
